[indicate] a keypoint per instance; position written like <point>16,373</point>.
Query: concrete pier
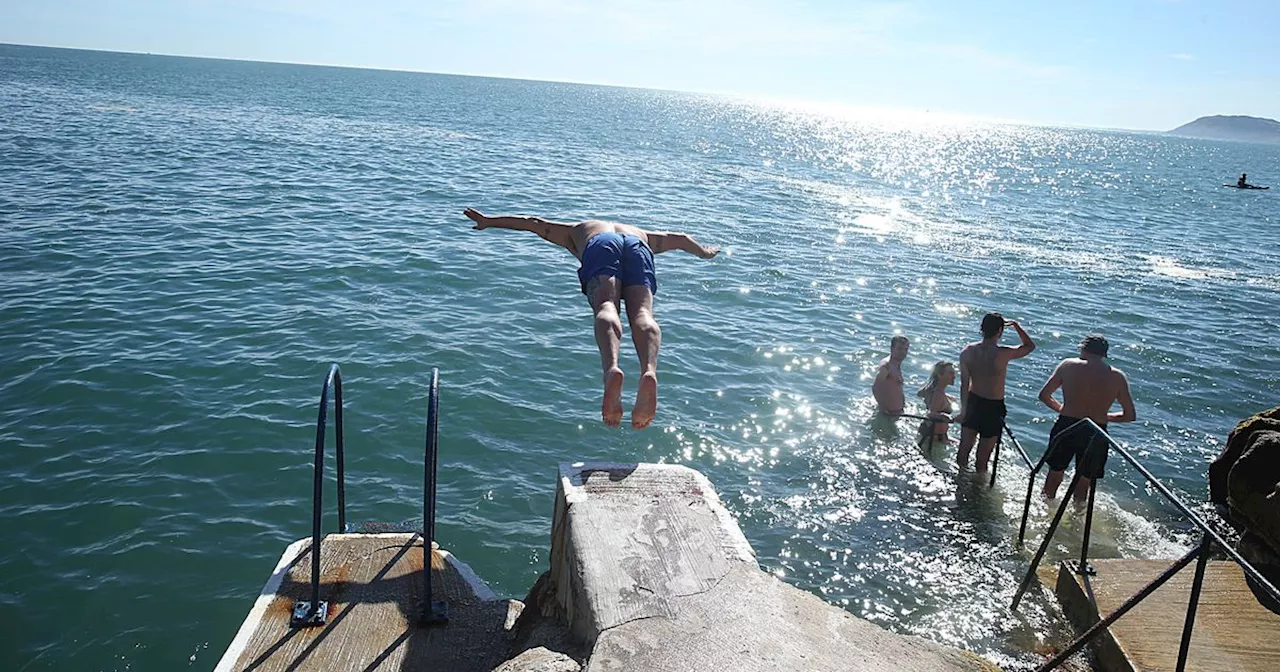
<point>1232,631</point>
<point>374,585</point>
<point>652,573</point>
<point>649,572</point>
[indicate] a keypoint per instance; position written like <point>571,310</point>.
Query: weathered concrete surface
<point>374,585</point>
<point>540,660</point>
<point>654,574</point>
<point>1232,631</point>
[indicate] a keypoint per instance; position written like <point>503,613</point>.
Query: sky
<point>1133,64</point>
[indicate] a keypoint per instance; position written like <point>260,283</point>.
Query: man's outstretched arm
<point>554,232</point>
<point>661,242</point>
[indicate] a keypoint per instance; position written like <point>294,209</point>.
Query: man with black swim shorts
<point>1089,388</point>
<point>616,265</point>
<point>983,367</point>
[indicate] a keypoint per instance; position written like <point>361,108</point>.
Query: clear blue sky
<point>1144,64</point>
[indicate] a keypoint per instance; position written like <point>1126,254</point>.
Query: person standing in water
<point>616,266</point>
<point>887,387</point>
<point>1089,388</point>
<point>937,405</point>
<point>983,367</point>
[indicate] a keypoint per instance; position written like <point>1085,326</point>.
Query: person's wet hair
<point>939,369</point>
<point>1095,343</point>
<point>992,323</point>
<point>893,342</point>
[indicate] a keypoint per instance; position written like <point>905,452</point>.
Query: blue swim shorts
<point>621,256</point>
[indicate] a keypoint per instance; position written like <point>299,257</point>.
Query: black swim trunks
<point>1076,443</point>
<point>985,416</point>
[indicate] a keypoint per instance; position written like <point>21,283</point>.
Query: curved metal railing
<point>434,612</point>
<point>315,612</point>
<point>1209,538</point>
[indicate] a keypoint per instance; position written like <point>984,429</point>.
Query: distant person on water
<point>983,366</point>
<point>937,405</point>
<point>887,387</point>
<point>1089,388</point>
<point>1243,181</point>
<point>616,265</point>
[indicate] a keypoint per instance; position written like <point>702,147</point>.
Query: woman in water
<point>937,403</point>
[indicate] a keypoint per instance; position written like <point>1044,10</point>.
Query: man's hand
<point>1011,323</point>
<point>476,216</point>
<point>709,252</point>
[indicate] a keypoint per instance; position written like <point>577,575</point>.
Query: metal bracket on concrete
<point>303,617</point>
<point>438,614</point>
<point>1083,569</point>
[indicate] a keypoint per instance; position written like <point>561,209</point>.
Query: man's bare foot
<point>646,401</point>
<point>611,409</point>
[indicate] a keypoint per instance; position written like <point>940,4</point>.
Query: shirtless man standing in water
<point>983,366</point>
<point>617,263</point>
<point>1089,387</point>
<point>887,387</point>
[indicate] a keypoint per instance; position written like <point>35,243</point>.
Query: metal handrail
<point>995,457</point>
<point>315,612</point>
<point>434,612</point>
<point>1208,539</point>
<point>1031,478</point>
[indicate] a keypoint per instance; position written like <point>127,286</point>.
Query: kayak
<point>1247,186</point>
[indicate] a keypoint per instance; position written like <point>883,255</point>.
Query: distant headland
<point>1239,127</point>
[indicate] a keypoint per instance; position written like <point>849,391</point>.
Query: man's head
<point>992,325</point>
<point>898,346</point>
<point>1094,344</point>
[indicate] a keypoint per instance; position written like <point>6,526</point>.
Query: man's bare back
<point>1089,388</point>
<point>986,368</point>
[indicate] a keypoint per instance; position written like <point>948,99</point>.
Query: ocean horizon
<point>187,244</point>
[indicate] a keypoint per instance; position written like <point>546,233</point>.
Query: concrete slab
<point>653,572</point>
<point>1232,631</point>
<point>374,585</point>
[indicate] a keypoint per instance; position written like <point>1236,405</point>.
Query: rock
<point>1246,477</point>
<point>1236,442</point>
<point>1253,487</point>
<point>542,625</point>
<point>1267,562</point>
<point>540,660</point>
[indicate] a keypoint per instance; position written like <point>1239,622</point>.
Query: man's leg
<point>648,338</point>
<point>1082,489</point>
<point>602,291</point>
<point>967,437</point>
<point>1051,483</point>
<point>985,445</point>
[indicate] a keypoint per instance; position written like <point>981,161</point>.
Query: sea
<point>187,245</point>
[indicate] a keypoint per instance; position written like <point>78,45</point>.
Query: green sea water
<point>186,245</point>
